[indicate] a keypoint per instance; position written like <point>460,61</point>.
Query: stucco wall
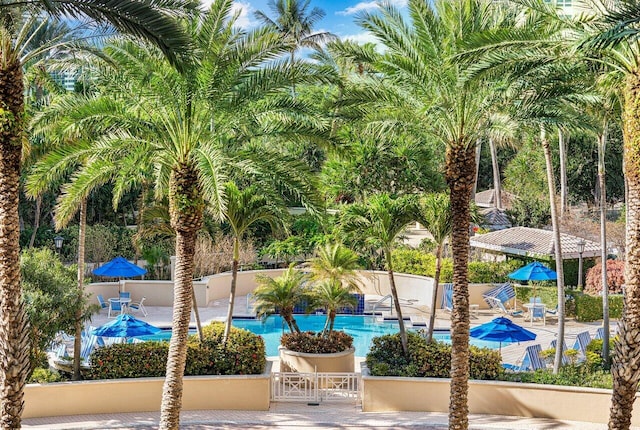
<point>145,394</point>
<point>489,397</point>
<point>218,285</point>
<point>157,293</point>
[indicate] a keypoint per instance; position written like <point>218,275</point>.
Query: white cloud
<point>364,37</point>
<point>369,5</point>
<point>245,9</point>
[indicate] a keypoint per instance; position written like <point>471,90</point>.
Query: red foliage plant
<point>615,278</point>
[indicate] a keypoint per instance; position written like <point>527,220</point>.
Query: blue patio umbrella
<point>119,268</point>
<point>534,272</point>
<point>501,330</point>
<point>126,326</point>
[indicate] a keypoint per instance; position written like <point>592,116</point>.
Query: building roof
<point>495,218</point>
<point>533,242</point>
<point>486,198</point>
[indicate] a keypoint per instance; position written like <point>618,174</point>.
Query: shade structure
<point>502,330</point>
<point>534,272</point>
<point>126,326</point>
<point>119,268</point>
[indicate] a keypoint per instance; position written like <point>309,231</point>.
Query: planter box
<point>292,361</point>
<point>242,392</point>
<point>489,397</point>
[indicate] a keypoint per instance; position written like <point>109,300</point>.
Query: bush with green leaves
<point>579,375</point>
<point>589,308</point>
<point>44,376</point>
<point>243,354</point>
<point>427,359</point>
<point>316,343</point>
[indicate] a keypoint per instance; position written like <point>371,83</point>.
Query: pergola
<point>533,243</point>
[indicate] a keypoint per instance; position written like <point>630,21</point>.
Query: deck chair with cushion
<point>583,339</point>
<point>103,304</point>
<point>447,297</point>
<point>88,343</point>
<point>115,308</point>
<point>499,297</point>
<point>531,360</point>
<point>139,307</point>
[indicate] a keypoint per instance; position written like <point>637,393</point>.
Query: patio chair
<point>498,297</point>
<point>139,306</point>
<point>115,307</point>
<point>103,304</point>
<point>565,360</point>
<point>88,343</point>
<point>447,297</point>
<point>530,360</point>
<point>583,339</point>
<point>538,312</point>
<point>125,295</point>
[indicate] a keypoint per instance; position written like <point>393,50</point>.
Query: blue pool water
<point>362,328</point>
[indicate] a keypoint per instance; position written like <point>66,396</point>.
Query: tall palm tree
<point>331,296</point>
<point>148,19</point>
<point>434,213</point>
<point>243,209</point>
<point>422,86</point>
<point>281,295</point>
<point>193,131</point>
<point>378,223</point>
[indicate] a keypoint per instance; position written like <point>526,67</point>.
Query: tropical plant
<point>243,209</point>
<point>332,297</point>
<point>377,224</point>
<point>281,295</point>
<point>434,213</point>
<point>148,19</point>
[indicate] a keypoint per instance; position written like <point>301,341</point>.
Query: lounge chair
<point>139,306</point>
<point>600,333</point>
<point>531,360</point>
<point>88,343</point>
<point>103,304</point>
<point>447,297</point>
<point>565,360</point>
<point>497,298</point>
<point>114,307</point>
<point>583,339</point>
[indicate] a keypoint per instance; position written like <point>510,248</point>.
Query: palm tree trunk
<point>436,283</point>
<point>77,342</point>
<point>36,220</point>
<point>556,244</point>
<point>626,359</point>
<point>475,181</point>
<point>602,144</point>
<point>232,292</point>
<point>562,146</point>
<point>396,302</point>
<point>14,330</point>
<point>497,186</point>
<point>186,220</point>
<point>460,174</point>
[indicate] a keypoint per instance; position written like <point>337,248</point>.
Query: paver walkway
<point>302,416</point>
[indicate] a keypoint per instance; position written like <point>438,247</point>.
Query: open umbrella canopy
<point>126,326</point>
<point>119,268</point>
<point>534,272</point>
<point>502,330</point>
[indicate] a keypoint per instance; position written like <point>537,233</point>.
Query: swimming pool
<point>362,328</point>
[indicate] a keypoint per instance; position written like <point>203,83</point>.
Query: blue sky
<point>338,19</point>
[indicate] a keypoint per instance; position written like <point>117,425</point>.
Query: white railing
<point>315,387</point>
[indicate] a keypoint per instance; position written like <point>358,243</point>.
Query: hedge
<point>589,308</point>
<point>315,343</point>
<point>243,354</point>
<point>417,262</point>
<point>427,359</point>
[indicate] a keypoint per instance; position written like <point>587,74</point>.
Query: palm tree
<point>281,295</point>
<point>378,223</point>
<point>243,209</point>
<point>434,213</point>
<point>331,296</point>
<point>149,19</point>
<point>191,132</point>
<point>422,86</point>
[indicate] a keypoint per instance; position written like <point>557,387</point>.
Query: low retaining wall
<point>489,397</point>
<point>292,361</point>
<point>245,392</point>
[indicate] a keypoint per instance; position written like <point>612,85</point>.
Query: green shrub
<point>44,376</point>
<point>572,375</point>
<point>589,308</point>
<point>314,343</point>
<point>548,295</point>
<point>243,354</point>
<point>426,359</point>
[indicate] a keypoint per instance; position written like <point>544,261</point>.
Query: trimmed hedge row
<point>315,343</point>
<point>589,308</point>
<point>244,354</point>
<point>427,359</point>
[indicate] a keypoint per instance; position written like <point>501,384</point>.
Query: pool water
<point>362,328</point>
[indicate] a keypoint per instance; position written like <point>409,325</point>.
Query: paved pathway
<point>288,416</point>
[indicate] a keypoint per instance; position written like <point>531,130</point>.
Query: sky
<point>338,19</point>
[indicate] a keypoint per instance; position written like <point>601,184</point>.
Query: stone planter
<point>292,361</point>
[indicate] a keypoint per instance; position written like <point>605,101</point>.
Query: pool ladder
<point>382,300</point>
